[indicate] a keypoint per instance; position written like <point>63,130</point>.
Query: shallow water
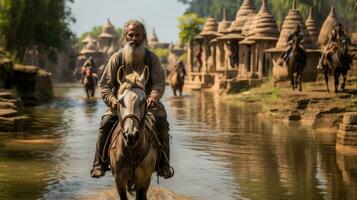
<point>219,151</point>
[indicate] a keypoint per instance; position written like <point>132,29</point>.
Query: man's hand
<point>114,105</point>
<point>151,102</point>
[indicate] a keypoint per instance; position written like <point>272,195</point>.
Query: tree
<point>42,23</point>
<point>189,25</point>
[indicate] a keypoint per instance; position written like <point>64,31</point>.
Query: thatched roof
<point>210,28</point>
<point>312,27</point>
<point>248,24</point>
<point>224,24</point>
<point>91,47</point>
<point>108,31</point>
<point>87,39</point>
<point>264,26</point>
<point>293,18</point>
<point>153,38</point>
<point>327,27</point>
<point>242,16</point>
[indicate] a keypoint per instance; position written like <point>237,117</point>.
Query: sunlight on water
<point>219,151</point>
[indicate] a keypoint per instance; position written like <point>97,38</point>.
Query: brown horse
<point>133,151</point>
<point>296,63</point>
<point>177,78</point>
<point>89,81</point>
<point>338,64</point>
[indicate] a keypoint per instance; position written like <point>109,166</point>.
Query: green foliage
<point>161,53</point>
<point>189,25</point>
<point>280,8</point>
<point>42,23</point>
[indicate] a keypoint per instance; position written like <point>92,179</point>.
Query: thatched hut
<point>326,28</point>
<point>91,50</point>
<point>204,76</point>
<point>108,39</point>
<point>312,26</point>
<point>263,34</point>
<point>234,33</point>
<point>294,18</point>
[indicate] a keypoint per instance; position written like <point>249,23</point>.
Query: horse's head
<point>344,45</point>
<point>132,104</point>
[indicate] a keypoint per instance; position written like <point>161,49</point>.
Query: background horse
<point>296,63</point>
<point>133,151</point>
<point>89,82</point>
<point>338,64</point>
<point>177,78</point>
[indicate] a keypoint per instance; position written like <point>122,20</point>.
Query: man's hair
<point>123,40</point>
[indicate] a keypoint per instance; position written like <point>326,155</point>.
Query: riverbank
<point>313,106</point>
<point>20,85</point>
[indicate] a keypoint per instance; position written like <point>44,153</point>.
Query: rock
<point>302,104</point>
<point>350,118</point>
<point>294,116</point>
<point>347,132</point>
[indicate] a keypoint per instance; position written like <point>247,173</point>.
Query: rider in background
<point>335,41</point>
<point>295,35</point>
<point>88,69</point>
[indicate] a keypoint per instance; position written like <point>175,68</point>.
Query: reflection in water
<point>219,151</point>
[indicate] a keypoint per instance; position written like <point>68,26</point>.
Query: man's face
<point>338,27</point>
<point>134,34</point>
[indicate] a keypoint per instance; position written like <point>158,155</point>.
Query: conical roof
<point>312,26</point>
<point>87,39</point>
<point>327,27</point>
<point>153,38</point>
<point>210,27</point>
<point>91,47</point>
<point>248,24</point>
<point>108,31</point>
<point>293,18</point>
<point>224,24</point>
<point>242,16</point>
<point>264,26</point>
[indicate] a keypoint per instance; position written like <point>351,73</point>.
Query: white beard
<point>134,55</point>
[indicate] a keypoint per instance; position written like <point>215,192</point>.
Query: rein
<point>135,161</point>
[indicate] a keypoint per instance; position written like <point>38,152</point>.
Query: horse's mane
<point>131,80</point>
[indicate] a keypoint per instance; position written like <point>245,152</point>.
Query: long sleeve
<point>157,76</point>
<point>107,82</point>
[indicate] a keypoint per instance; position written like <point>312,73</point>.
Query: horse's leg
<point>300,81</point>
<point>174,91</point>
<point>336,76</point>
<point>121,189</point>
<point>87,92</point>
<point>344,75</point>
<point>326,79</point>
<point>141,191</point>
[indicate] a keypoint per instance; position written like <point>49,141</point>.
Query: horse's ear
<point>144,78</point>
<point>121,75</point>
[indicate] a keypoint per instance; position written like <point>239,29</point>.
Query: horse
<point>296,63</point>
<point>177,78</point>
<point>133,152</point>
<point>338,64</point>
<point>89,82</point>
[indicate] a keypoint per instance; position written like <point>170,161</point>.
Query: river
<point>219,151</point>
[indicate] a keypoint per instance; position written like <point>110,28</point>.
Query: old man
<point>134,56</point>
